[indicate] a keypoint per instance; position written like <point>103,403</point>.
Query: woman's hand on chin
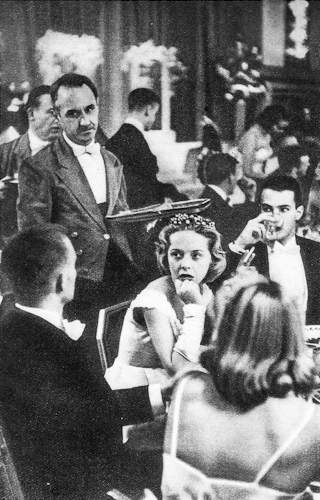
<point>189,292</point>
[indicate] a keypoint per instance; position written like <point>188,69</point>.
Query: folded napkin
<point>74,329</point>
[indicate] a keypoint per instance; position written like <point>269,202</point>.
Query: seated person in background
<point>294,161</point>
<point>310,224</point>
<point>221,173</point>
<point>256,145</point>
<point>211,144</point>
<point>248,428</point>
<point>290,260</point>
<point>196,157</point>
<point>167,322</point>
<point>140,166</point>
<point>64,423</point>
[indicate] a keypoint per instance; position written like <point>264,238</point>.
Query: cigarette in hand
<point>248,257</point>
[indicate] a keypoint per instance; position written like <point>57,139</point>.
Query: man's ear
<point>147,110</point>
<point>299,212</point>
<point>30,114</point>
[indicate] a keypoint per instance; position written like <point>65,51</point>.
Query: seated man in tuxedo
<point>221,173</point>
<point>63,423</point>
<point>140,166</point>
<point>290,260</point>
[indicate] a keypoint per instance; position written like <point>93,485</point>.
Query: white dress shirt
<point>36,144</point>
<point>93,167</point>
<point>287,269</point>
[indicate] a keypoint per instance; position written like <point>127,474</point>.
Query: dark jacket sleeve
<point>134,405</point>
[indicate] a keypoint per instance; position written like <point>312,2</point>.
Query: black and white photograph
<point>159,249</point>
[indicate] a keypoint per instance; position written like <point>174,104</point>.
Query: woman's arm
<point>184,351</point>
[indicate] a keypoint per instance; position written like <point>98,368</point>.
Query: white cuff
<point>235,248</point>
<point>188,343</point>
<point>156,401</point>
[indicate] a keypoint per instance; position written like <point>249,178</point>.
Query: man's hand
<point>189,292</point>
<point>254,231</point>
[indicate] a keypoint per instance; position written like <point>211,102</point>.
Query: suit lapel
<point>306,259</point>
<point>71,173</point>
<point>112,195</point>
<point>23,150</point>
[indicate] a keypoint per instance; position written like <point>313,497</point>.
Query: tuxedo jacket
<point>57,414</point>
<point>54,189</point>
<point>140,168</point>
<point>12,155</point>
<point>229,221</point>
<point>310,254</point>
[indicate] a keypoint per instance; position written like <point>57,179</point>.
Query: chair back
<point>108,332</point>
<point>10,488</point>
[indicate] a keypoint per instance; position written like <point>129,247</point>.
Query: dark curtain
<point>199,29</point>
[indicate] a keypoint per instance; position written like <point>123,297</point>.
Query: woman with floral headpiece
<point>168,321</point>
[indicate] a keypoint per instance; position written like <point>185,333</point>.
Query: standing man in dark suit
<point>63,423</point>
<point>76,183</point>
<point>221,173</point>
<point>290,260</point>
<point>140,166</point>
<point>43,129</point>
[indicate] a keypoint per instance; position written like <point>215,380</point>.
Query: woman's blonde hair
<point>200,225</point>
<point>259,350</point>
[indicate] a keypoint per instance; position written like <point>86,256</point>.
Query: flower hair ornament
<point>188,220</point>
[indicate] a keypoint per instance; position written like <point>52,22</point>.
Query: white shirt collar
<point>36,144</point>
<point>50,316</point>
<point>292,243</point>
<point>136,123</point>
<point>76,148</point>
<point>219,191</point>
<point>73,329</point>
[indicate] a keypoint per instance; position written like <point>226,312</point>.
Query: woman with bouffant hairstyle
<point>199,225</point>
<point>248,427</point>
<point>167,322</point>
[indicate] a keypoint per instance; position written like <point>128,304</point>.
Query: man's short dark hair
<point>72,80</point>
<point>33,101</point>
<point>31,258</point>
<point>278,182</point>
<point>140,98</point>
<point>289,158</point>
<point>218,167</point>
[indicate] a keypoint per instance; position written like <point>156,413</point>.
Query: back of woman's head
<point>259,350</point>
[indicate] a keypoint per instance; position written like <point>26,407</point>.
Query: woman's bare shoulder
<point>197,385</point>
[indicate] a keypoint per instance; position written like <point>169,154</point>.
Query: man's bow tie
<point>74,329</point>
<point>92,149</point>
